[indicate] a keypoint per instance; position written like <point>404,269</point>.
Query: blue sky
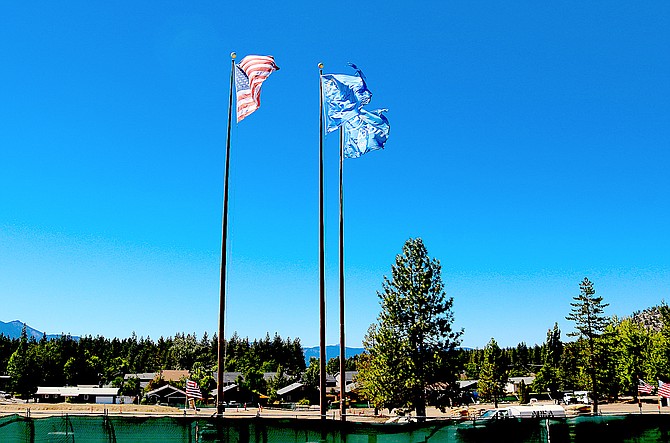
<point>529,149</point>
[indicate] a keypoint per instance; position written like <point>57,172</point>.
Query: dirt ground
<point>649,406</point>
<point>70,408</point>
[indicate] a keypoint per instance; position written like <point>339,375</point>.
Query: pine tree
<point>412,345</point>
<point>22,367</point>
<point>548,378</point>
<point>588,313</point>
<point>493,374</point>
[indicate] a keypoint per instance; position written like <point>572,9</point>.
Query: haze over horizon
<point>528,149</point>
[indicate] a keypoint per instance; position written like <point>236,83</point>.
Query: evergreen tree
<point>280,380</point>
<point>22,367</point>
<point>493,373</point>
<point>519,358</point>
<point>588,313</point>
<point>608,354</point>
<point>634,344</point>
<point>548,378</point>
<point>412,344</point>
<point>333,366</point>
<point>569,367</point>
<point>310,379</point>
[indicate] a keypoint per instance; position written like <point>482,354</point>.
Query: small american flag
<point>250,74</point>
<point>192,389</point>
<point>663,389</point>
<point>644,387</point>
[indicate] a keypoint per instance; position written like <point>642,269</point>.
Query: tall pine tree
<point>493,374</point>
<point>588,313</point>
<point>412,345</point>
<point>548,378</point>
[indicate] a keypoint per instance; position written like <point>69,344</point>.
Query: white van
<point>537,411</point>
<point>577,397</point>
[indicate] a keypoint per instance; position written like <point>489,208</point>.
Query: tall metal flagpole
<point>224,240</point>
<point>343,377</point>
<point>322,264</point>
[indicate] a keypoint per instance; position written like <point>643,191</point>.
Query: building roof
<point>289,388</point>
<point>225,389</point>
<point>348,377</point>
<point>74,391</point>
<point>526,380</point>
<point>174,374</point>
<point>143,376</point>
<point>229,377</point>
<point>467,384</point>
<point>270,375</point>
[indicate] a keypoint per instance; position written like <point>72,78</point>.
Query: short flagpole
<point>343,378</point>
<point>224,241</point>
<point>322,272</point>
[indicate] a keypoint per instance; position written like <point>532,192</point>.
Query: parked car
<point>577,397</point>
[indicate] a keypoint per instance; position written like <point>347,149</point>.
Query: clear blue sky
<point>529,148</point>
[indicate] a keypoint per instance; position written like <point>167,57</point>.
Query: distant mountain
<point>13,329</point>
<point>331,352</point>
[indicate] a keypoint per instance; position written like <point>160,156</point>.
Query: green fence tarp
<point>189,429</point>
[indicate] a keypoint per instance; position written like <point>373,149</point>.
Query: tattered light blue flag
<point>343,97</point>
<point>367,131</point>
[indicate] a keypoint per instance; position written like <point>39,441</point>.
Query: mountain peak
<point>13,329</point>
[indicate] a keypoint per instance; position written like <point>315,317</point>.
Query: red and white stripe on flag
<point>192,389</point>
<point>250,74</point>
<point>644,387</point>
<point>663,389</point>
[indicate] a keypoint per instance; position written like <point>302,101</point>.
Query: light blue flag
<point>367,131</point>
<point>343,97</point>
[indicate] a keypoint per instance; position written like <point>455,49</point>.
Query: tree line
<point>101,361</point>
<point>412,353</point>
<point>413,357</point>
<point>610,357</point>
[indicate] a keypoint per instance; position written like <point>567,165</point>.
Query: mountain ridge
<point>331,352</point>
<point>13,330</point>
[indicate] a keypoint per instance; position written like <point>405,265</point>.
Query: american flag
<point>644,387</point>
<point>663,389</point>
<point>192,389</point>
<point>250,74</point>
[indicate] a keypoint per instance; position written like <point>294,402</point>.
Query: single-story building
<point>76,394</point>
<point>166,394</point>
<point>168,375</point>
<point>349,378</point>
<point>291,393</point>
<point>513,385</point>
<point>227,390</point>
<point>143,377</point>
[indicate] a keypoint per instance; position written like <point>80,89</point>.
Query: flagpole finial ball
<point>233,55</point>
<point>320,65</point>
